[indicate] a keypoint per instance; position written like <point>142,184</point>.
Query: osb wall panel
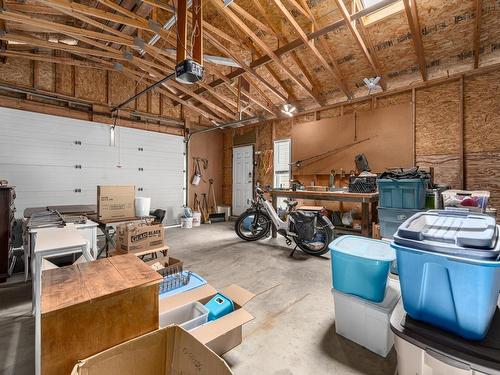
<point>155,103</point>
<point>64,79</point>
<point>121,88</point>
<point>481,173</point>
<point>482,113</point>
<point>386,101</point>
<point>447,32</point>
<point>446,168</point>
<point>168,109</point>
<point>490,32</point>
<point>16,71</point>
<point>86,87</point>
<point>142,102</point>
<point>45,74</point>
<point>437,119</point>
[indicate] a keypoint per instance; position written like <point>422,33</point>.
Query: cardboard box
<point>139,237</point>
<point>115,202</point>
<point>220,335</point>
<point>90,307</point>
<point>169,351</point>
<point>165,265</point>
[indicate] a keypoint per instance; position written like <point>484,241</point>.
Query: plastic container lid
<point>483,356</point>
<point>364,248</point>
<point>459,233</point>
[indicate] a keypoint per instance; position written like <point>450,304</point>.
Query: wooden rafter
<point>242,12</point>
<point>359,40</point>
<point>295,57</point>
<point>3,44</point>
<point>477,33</point>
<point>298,43</point>
<point>412,15</point>
<point>301,9</point>
<point>319,56</point>
<point>229,13</point>
<point>288,89</point>
<point>223,49</point>
<point>366,38</point>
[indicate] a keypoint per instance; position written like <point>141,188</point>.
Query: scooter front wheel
<point>253,225</point>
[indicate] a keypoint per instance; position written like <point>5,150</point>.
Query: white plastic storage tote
<point>364,322</point>
<point>423,349</point>
<point>188,316</point>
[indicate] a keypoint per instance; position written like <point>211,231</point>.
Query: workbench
<point>369,202</point>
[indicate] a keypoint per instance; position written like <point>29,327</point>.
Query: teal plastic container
<point>219,306</point>
<point>360,266</point>
<point>409,193</point>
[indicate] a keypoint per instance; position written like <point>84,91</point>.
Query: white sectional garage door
<point>56,161</point>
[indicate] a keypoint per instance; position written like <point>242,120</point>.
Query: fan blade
<point>366,81</point>
<point>375,81</point>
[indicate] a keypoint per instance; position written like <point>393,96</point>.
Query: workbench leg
<point>373,213</point>
<point>273,227</point>
<point>365,219</point>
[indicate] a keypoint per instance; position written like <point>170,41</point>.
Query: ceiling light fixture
<point>288,109</point>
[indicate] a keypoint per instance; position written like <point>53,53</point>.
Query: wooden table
<point>368,202</point>
<point>90,307</point>
<point>51,242</point>
<point>107,228</point>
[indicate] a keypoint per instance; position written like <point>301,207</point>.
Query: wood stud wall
<point>439,116</point>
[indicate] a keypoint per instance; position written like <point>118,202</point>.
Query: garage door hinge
<point>78,166</point>
<point>140,149</point>
<point>140,189</point>
<point>79,143</point>
<point>78,190</point>
<point>141,169</point>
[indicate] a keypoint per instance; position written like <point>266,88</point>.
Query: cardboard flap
<point>172,302</point>
<point>217,328</point>
<point>238,294</point>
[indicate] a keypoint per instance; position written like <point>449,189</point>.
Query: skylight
<point>382,13</point>
<point>369,3</point>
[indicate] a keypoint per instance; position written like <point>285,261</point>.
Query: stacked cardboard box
<point>139,237</point>
<point>115,202</point>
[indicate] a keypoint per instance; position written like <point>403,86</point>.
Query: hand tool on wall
<point>214,216</point>
<point>204,209</point>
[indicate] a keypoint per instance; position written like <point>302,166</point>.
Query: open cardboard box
<point>168,351</point>
<point>225,333</point>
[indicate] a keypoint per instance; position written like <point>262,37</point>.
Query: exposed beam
<point>197,25</point>
<point>477,33</point>
<point>242,12</point>
<point>229,13</point>
<point>288,89</point>
<point>295,57</point>
<point>3,43</point>
<point>319,56</point>
<point>297,43</point>
<point>302,10</point>
<point>412,15</point>
<point>359,40</point>
<point>244,66</point>
<point>182,45</point>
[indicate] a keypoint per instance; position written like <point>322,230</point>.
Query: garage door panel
<point>39,156</point>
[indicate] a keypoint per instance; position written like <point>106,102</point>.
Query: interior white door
<point>242,178</point>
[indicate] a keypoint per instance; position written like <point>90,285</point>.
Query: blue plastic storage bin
<point>449,270</point>
<point>360,266</point>
<point>219,306</point>
<point>407,193</point>
<point>391,218</point>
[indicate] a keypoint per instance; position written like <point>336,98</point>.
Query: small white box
<point>365,322</point>
<point>188,316</point>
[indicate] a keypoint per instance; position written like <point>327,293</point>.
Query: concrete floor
<point>293,331</point>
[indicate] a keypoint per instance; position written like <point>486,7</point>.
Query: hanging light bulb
<point>288,109</point>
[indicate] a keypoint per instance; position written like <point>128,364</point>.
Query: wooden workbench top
<point>327,194</point>
<point>80,283</point>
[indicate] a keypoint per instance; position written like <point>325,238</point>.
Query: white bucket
<point>142,206</point>
<point>186,222</point>
<point>196,219</point>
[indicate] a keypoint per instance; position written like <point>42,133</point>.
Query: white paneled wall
<point>56,160</point>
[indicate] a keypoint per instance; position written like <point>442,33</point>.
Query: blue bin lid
<point>453,232</point>
<point>364,248</point>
